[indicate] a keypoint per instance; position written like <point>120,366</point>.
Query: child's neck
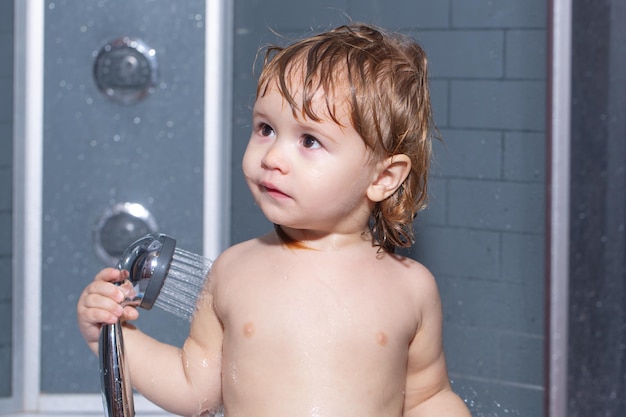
<point>321,241</point>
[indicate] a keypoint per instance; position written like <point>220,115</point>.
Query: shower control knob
<point>118,227</point>
<point>126,70</point>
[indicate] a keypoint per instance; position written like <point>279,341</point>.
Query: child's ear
<point>391,173</point>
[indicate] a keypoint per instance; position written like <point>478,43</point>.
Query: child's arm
<point>428,390</point>
<point>185,381</point>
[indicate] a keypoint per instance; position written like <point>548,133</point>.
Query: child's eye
<point>265,129</point>
<point>310,142</point>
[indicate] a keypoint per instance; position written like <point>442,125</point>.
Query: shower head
<point>147,261</point>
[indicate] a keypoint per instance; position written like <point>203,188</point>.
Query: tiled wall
<point>6,196</point>
<point>482,234</point>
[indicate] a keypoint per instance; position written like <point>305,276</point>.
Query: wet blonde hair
<point>384,80</point>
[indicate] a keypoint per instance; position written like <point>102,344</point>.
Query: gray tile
<point>497,205</point>
<point>523,258</point>
<point>440,103</point>
<point>499,14</point>
<point>522,358</point>
<point>526,52</point>
<point>510,105</point>
<point>472,351</point>
<point>495,398</point>
<point>400,14</point>
<point>6,16</point>
<point>6,370</point>
<point>295,15</point>
<point>525,156</point>
<point>6,273</point>
<point>6,144</point>
<point>464,54</point>
<point>6,189</point>
<point>6,322</point>
<point>6,51</point>
<point>470,154</point>
<point>500,306</point>
<point>6,237</point>
<point>6,102</point>
<point>435,212</point>
<point>458,252</point>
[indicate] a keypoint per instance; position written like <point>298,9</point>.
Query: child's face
<point>307,174</point>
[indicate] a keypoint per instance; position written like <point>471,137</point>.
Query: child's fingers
<point>98,298</point>
<point>99,304</point>
<point>111,275</point>
<point>98,291</point>
<point>130,313</point>
<point>101,300</point>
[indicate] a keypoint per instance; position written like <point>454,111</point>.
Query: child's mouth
<point>273,191</point>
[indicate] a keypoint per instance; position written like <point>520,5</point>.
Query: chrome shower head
<point>147,261</point>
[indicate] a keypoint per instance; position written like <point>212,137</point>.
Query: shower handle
<point>117,392</point>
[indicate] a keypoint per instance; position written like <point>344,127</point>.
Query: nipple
<point>381,338</point>
<point>248,330</point>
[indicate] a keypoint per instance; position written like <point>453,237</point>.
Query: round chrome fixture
<point>118,228</point>
<point>126,70</point>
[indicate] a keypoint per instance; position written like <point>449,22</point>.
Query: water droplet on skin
<point>315,411</point>
<point>233,373</point>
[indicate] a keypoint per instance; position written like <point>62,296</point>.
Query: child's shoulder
<point>415,274</point>
<point>245,252</point>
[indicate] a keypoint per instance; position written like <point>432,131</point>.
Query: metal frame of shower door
<point>557,247</point>
<point>28,185</point>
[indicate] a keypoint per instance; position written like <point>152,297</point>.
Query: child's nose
<point>275,157</point>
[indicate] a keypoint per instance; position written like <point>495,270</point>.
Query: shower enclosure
<point>122,128</point>
<point>129,114</point>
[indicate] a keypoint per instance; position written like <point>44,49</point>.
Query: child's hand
<point>100,304</point>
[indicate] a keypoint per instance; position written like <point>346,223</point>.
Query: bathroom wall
<point>483,233</point>
<point>6,195</point>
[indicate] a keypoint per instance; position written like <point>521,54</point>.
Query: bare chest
<point>311,304</point>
